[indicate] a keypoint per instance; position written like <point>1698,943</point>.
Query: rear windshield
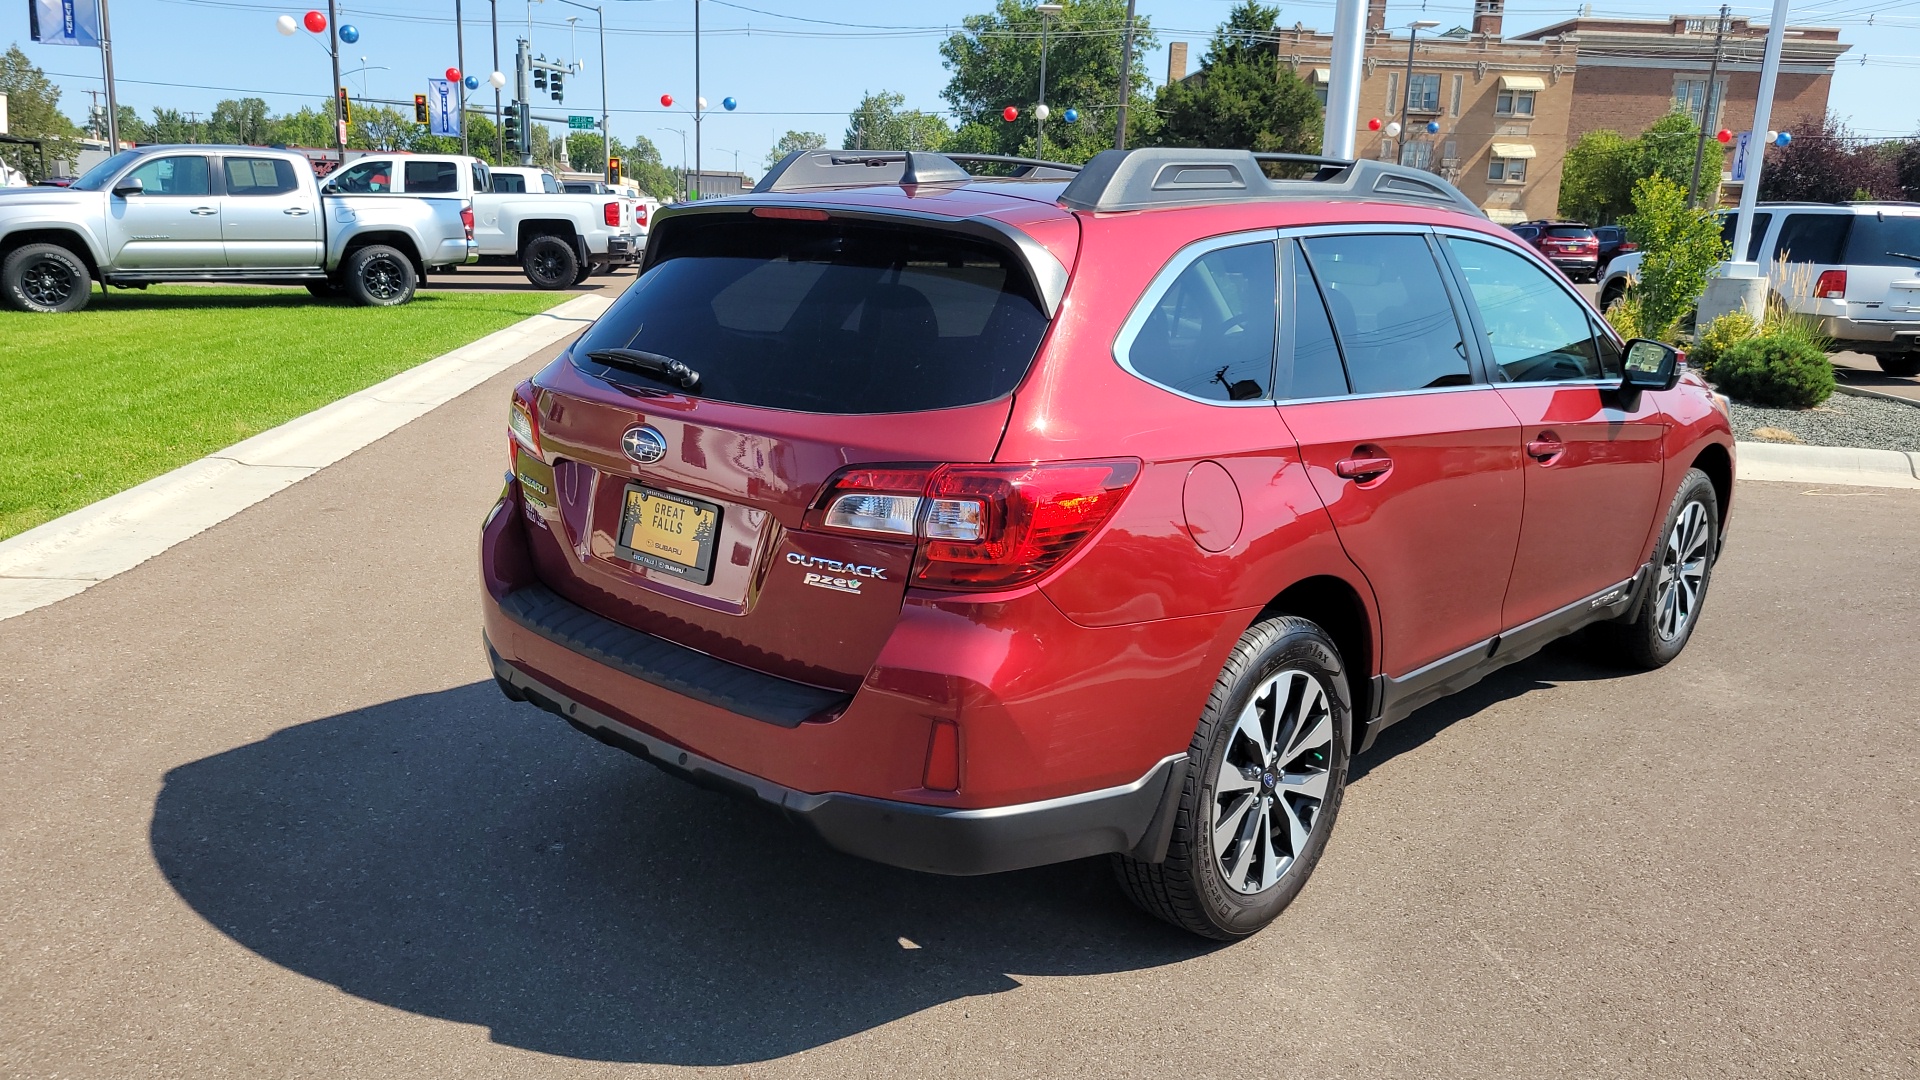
<point>1876,238</point>
<point>829,317</point>
<point>509,184</point>
<point>1574,232</point>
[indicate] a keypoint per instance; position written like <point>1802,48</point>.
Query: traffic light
<point>539,78</point>
<point>419,108</point>
<point>613,170</point>
<point>514,132</point>
<point>554,86</point>
<point>346,107</point>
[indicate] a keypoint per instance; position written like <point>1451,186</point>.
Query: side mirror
<point>129,186</point>
<point>329,188</point>
<point>1651,365</point>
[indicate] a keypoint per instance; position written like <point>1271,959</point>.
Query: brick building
<point>1631,72</point>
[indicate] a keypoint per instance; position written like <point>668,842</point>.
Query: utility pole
<point>1343,90</point>
<point>1706,109</point>
<point>106,64</point>
<point>1047,12</point>
<point>1757,145</point>
<point>699,103</point>
<point>1126,82</point>
<point>333,50</point>
<point>499,132</point>
<point>460,58</point>
<point>93,113</point>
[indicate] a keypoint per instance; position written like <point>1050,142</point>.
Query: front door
<point>1593,456</point>
<point>268,219</point>
<point>1417,461</point>
<point>173,223</point>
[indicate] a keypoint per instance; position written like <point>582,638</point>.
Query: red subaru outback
<point>984,522</point>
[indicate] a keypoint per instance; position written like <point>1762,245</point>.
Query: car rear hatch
<point>686,501</point>
<point>1569,240</point>
<point>1882,266</point>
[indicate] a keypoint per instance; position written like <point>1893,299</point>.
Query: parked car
<point>220,213</point>
<point>977,524</point>
<point>1853,266</point>
<point>633,211</point>
<point>1613,241</point>
<point>1569,245</point>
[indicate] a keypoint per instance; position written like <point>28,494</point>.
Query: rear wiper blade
<point>1904,255</point>
<point>646,363</point>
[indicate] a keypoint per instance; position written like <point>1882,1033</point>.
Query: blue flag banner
<point>443,108</point>
<point>64,22</point>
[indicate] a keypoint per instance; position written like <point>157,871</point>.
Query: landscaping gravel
<point>1843,420</point>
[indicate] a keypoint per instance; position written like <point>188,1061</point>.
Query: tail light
<point>1832,285</point>
<point>611,212</point>
<point>640,215</point>
<point>466,220</point>
<point>1627,245</point>
<point>523,423</point>
<point>978,526</point>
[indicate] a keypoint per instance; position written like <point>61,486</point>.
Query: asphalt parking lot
<point>265,815</point>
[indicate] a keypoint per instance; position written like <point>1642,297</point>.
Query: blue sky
<point>800,64</point>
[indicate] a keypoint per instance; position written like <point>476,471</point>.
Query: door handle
<point>296,211</point>
<point>1363,468</point>
<point>203,211</point>
<point>1545,449</point>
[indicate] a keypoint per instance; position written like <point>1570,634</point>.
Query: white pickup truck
<point>220,213</point>
<point>519,214</point>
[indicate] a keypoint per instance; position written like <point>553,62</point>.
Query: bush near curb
<point>1775,370</point>
<point>1719,336</point>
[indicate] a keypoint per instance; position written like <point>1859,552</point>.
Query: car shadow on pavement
<point>457,855</point>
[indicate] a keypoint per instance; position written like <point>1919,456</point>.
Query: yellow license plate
<point>670,533</point>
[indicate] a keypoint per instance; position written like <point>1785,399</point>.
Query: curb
<point>71,554</point>
<point>1844,465</point>
<point>1881,395</point>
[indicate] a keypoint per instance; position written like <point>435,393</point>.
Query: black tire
<point>1193,889</point>
<point>550,263</point>
<point>322,290</point>
<point>1659,630</point>
<point>45,278</point>
<point>586,271</point>
<point>1610,295</point>
<point>1901,364</point>
<point>379,276</point>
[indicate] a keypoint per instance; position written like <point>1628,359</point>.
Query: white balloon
<point>700,103</point>
<point>497,79</point>
<point>285,25</point>
<point>1393,129</point>
<point>1041,112</point>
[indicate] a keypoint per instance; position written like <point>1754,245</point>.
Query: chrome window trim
<point>1385,394</point>
<point>1157,288</point>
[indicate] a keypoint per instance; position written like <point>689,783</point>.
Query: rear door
<point>1419,465</point>
<point>1593,456</point>
<point>268,215</point>
<point>173,223</point>
<point>1882,258</point>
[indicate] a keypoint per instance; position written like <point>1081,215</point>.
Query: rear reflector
<point>1831,286</point>
<point>794,213</point>
<point>943,757</point>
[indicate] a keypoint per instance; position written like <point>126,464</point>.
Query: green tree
<point>1679,249</point>
<point>242,121</point>
<point>995,63</point>
<point>795,140</point>
<point>642,165</point>
<point>879,123</point>
<point>1242,96</point>
<point>310,126</point>
<point>33,112</point>
<point>1602,168</point>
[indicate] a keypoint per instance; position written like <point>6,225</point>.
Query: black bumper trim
<point>684,671</point>
<point>1133,818</point>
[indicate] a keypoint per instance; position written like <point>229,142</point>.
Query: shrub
<point>1775,370</point>
<point>1681,246</point>
<point>1718,337</point>
<point>1624,316</point>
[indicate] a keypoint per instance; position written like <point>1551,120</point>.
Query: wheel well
<point>1338,609</point>
<point>1714,460</point>
<point>531,229</point>
<point>399,241</point>
<point>1612,289</point>
<point>66,238</point>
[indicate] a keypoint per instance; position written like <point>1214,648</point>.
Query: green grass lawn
<point>142,382</point>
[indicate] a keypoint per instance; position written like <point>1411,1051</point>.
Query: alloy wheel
<point>384,277</point>
<point>1683,571</point>
<point>48,283</point>
<point>1272,780</point>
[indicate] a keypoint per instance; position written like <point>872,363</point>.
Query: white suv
<point>1856,266</point>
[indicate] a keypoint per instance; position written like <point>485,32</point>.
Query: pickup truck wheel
<point>1899,363</point>
<point>586,271</point>
<point>45,278</point>
<point>379,276</point>
<point>550,263</point>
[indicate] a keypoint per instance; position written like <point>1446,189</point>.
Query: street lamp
<point>736,156</point>
<point>606,133</point>
<point>1406,107</point>
<point>1047,13</point>
<point>685,177</point>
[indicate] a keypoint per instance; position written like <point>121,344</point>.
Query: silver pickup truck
<point>220,213</point>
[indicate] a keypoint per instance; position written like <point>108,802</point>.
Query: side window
<point>509,184</point>
<point>1813,238</point>
<point>365,178</point>
<point>1729,221</point>
<point>432,178</point>
<point>1395,321</point>
<point>1312,369</point>
<point>258,176</point>
<point>1537,332</point>
<point>174,176</point>
<point>1211,333</point>
<point>482,178</point>
<point>548,184</point>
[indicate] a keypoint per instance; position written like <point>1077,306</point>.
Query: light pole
<point>736,156</point>
<point>1126,81</point>
<point>606,136</point>
<point>1406,103</point>
<point>460,61</point>
<point>699,103</point>
<point>362,72</point>
<point>499,132</point>
<point>333,51</point>
<point>1047,12</point>
<point>684,178</point>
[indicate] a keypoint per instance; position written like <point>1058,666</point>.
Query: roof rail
<point>805,169</point>
<point>1171,176</point>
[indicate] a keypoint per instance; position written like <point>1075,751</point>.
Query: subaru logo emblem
<point>643,444</point>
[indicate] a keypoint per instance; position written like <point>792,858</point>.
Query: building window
<point>1416,153</point>
<point>1690,97</point>
<point>1507,171</point>
<point>1514,103</point>
<point>1454,107</point>
<point>1393,92</point>
<point>1386,149</point>
<point>1451,155</point>
<point>1320,93</point>
<point>1424,93</point>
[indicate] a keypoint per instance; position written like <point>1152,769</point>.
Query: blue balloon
<point>1071,116</point>
<point>1782,139</point>
<point>728,104</point>
<point>1433,127</point>
<point>349,33</point>
<point>473,82</point>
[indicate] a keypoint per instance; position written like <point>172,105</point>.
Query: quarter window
<point>174,176</point>
<point>1537,332</point>
<point>1211,333</point>
<point>1312,368</point>
<point>1395,322</point>
<point>259,176</point>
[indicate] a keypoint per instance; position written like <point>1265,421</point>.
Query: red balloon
<point>453,74</point>
<point>1010,114</point>
<point>1373,124</point>
<point>666,101</point>
<point>316,22</point>
<point>1724,135</point>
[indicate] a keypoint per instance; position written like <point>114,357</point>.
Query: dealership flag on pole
<point>64,22</point>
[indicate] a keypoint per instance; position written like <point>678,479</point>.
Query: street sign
<point>443,108</point>
<point>1740,157</point>
<point>579,123</point>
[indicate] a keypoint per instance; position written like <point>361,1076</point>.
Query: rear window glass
<point>829,317</point>
<point>1876,239</point>
<point>259,176</point>
<point>1573,232</point>
<point>432,178</point>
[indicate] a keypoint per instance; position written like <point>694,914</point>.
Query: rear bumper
<point>1904,333</point>
<point>1576,265</point>
<point>1134,818</point>
<point>622,250</point>
<point>456,253</point>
